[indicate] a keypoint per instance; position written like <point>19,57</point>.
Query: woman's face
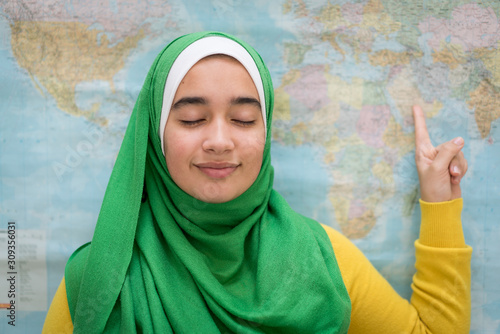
<point>215,137</point>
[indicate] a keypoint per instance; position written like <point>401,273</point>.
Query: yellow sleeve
<point>440,302</point>
<point>58,320</point>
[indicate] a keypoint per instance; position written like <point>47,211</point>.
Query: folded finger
<point>456,192</point>
<point>458,165</point>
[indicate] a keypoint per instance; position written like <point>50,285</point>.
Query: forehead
<point>221,63</point>
<point>218,71</point>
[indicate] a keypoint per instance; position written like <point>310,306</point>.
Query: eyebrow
<point>189,100</point>
<point>246,100</point>
<point>195,100</point>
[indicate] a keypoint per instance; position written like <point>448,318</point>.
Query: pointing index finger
<point>421,133</point>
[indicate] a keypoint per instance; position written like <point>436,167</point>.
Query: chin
<point>213,193</point>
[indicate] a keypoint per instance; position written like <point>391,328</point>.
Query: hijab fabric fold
<point>161,261</point>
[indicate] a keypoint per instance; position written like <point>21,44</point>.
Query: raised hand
<point>440,169</point>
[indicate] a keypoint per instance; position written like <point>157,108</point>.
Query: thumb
<point>447,151</point>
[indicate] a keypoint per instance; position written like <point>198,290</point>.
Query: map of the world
<point>345,74</point>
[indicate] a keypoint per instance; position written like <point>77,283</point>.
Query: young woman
<point>192,238</point>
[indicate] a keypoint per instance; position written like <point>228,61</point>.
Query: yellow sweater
<point>441,286</point>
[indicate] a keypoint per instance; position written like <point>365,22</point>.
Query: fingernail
<point>459,141</point>
<point>456,170</point>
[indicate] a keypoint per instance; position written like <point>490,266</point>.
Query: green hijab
<point>162,261</point>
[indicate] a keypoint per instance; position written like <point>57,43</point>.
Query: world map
<point>346,74</point>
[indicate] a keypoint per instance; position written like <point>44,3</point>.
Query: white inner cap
<point>195,52</point>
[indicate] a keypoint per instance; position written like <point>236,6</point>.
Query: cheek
<point>176,153</point>
<point>255,153</point>
<point>254,141</point>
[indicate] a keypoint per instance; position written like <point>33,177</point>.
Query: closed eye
<point>191,123</point>
<point>244,123</point>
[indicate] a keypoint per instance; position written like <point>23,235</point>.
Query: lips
<point>217,170</point>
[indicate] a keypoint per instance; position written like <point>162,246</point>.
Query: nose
<point>218,138</point>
